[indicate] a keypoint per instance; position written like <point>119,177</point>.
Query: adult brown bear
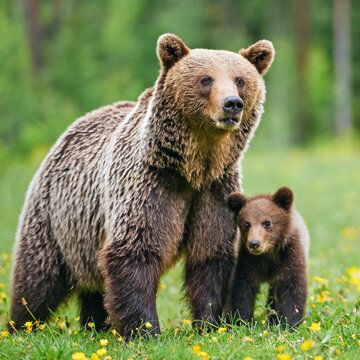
<point>130,186</point>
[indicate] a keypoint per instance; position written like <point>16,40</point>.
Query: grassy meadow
<point>326,183</point>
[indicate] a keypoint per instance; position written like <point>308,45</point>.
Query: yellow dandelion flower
<point>42,327</point>
<point>20,339</point>
<point>2,295</point>
<point>176,331</point>
<point>248,358</point>
<point>5,256</point>
<point>101,352</point>
<point>78,356</point>
<point>120,339</point>
<point>280,348</point>
<point>113,332</point>
<point>91,325</point>
<point>247,340</point>
<point>343,344</point>
<point>320,280</point>
<point>214,338</point>
<point>283,356</point>
<point>265,333</point>
<point>358,343</point>
<point>95,357</point>
<point>313,306</point>
<point>2,286</point>
<point>163,286</point>
<point>4,333</point>
<point>337,352</point>
<point>307,344</point>
<point>315,327</point>
<point>196,349</point>
<point>104,342</point>
<point>349,232</point>
<point>107,357</point>
<point>221,330</point>
<point>204,355</point>
<point>318,358</point>
<point>263,322</point>
<point>353,336</point>
<point>148,325</point>
<point>186,322</point>
<point>77,318</point>
<point>339,279</point>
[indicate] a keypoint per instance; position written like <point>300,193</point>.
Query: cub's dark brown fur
<point>129,187</point>
<point>274,248</point>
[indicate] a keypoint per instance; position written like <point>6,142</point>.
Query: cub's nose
<point>233,105</point>
<point>254,244</point>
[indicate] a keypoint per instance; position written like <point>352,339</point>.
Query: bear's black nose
<point>233,105</point>
<point>254,244</point>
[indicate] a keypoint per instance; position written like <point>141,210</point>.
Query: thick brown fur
<point>129,187</point>
<point>274,247</point>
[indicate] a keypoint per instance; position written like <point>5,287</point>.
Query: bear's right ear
<point>284,198</point>
<point>260,54</point>
<point>170,49</point>
<point>236,202</point>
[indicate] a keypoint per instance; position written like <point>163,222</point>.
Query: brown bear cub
<point>274,247</point>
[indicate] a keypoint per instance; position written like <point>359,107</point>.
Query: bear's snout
<point>232,105</point>
<point>254,244</point>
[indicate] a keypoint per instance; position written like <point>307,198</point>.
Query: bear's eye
<point>206,81</point>
<point>240,82</point>
<point>247,225</point>
<point>267,223</point>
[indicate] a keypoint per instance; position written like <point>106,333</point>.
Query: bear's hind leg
<point>40,280</point>
<point>92,309</point>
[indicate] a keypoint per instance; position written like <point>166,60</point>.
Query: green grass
<point>326,183</point>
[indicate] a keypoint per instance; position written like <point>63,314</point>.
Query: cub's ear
<point>170,49</point>
<point>283,198</point>
<point>236,202</point>
<point>260,54</point>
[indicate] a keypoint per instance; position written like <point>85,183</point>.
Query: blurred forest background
<point>62,58</point>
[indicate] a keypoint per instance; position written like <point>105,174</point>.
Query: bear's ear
<point>236,202</point>
<point>284,198</point>
<point>170,49</point>
<point>260,54</point>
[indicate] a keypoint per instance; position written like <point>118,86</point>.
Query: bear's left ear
<point>236,202</point>
<point>170,49</point>
<point>284,198</point>
<point>260,54</point>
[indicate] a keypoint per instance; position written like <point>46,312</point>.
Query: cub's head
<point>264,220</point>
<point>214,89</point>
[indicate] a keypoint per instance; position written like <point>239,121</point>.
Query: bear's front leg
<point>244,288</point>
<point>209,254</point>
<point>131,282</point>
<point>291,291</point>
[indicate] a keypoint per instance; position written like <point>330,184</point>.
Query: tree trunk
<point>342,64</point>
<point>302,34</point>
<point>32,15</point>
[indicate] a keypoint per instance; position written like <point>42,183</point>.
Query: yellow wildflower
<point>23,301</point>
<point>283,356</point>
<point>91,325</point>
<point>5,256</point>
<point>186,322</point>
<point>349,232</point>
<point>78,356</point>
<point>247,340</point>
<point>104,342</point>
<point>20,339</point>
<point>176,331</point>
<point>196,349</point>
<point>337,352</point>
<point>148,325</point>
<point>77,318</point>
<point>214,338</point>
<point>42,327</point>
<point>120,339</point>
<point>113,332</point>
<point>318,358</point>
<point>320,280</point>
<point>4,333</point>
<point>265,333</point>
<point>2,286</point>
<point>163,286</point>
<point>248,358</point>
<point>280,348</point>
<point>221,330</point>
<point>2,295</point>
<point>263,322</point>
<point>307,344</point>
<point>358,343</point>
<point>353,336</point>
<point>95,357</point>
<point>315,327</point>
<point>107,357</point>
<point>101,352</point>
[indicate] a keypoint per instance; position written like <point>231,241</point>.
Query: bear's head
<point>264,220</point>
<point>214,90</point>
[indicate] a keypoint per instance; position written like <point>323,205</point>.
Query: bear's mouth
<point>229,123</point>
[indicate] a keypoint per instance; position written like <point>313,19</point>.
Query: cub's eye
<point>267,223</point>
<point>240,82</point>
<point>206,81</point>
<point>247,225</point>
